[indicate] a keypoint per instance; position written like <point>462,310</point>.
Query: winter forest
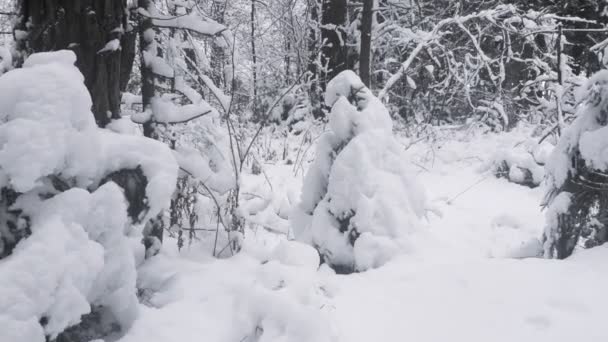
<point>303,170</point>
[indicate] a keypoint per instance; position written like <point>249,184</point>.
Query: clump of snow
<point>6,60</point>
<point>112,45</point>
<point>79,253</point>
<point>358,184</point>
<point>296,254</point>
<point>522,164</point>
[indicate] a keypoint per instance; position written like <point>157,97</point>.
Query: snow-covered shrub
<point>67,237</point>
<point>357,199</point>
<point>578,176</point>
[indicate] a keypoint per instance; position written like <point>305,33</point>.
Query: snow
<point>483,300</point>
<point>214,173</point>
<point>192,21</point>
<point>6,60</point>
<point>525,156</point>
<point>112,45</point>
<point>458,261</point>
<point>463,278</point>
<point>158,65</point>
<point>268,301</point>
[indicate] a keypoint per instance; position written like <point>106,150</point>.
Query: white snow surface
<point>469,275</point>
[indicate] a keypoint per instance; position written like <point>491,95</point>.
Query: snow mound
<point>357,200</point>
<point>236,299</point>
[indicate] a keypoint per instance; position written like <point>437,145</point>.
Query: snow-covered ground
<point>467,276</point>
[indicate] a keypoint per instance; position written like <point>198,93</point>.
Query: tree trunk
<point>255,64</point>
<point>148,79</point>
<point>85,27</point>
<point>366,42</point>
<point>333,33</point>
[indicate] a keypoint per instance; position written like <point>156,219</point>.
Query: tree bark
<point>148,79</point>
<point>366,42</point>
<point>85,27</point>
<point>255,63</point>
<point>334,52</point>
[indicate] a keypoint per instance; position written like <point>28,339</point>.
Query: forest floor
<point>467,276</point>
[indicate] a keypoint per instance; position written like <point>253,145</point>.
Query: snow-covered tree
<point>578,176</point>
<point>358,201</point>
<point>72,197</point>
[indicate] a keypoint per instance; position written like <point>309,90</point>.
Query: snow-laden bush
<point>358,200</point>
<point>578,176</point>
<point>68,246</point>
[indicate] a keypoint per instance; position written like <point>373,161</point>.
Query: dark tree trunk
<point>84,26</point>
<point>333,54</point>
<point>217,62</point>
<point>255,63</point>
<point>148,79</point>
<point>333,33</point>
<point>366,42</point>
<point>313,68</point>
<point>127,57</point>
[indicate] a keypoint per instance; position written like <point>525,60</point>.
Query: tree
<point>328,46</point>
<point>356,184</point>
<point>98,31</point>
<point>576,198</point>
<point>366,42</point>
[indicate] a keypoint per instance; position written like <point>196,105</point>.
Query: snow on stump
<point>577,170</point>
<point>358,202</point>
<point>66,223</point>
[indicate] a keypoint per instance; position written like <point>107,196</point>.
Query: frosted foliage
<point>358,202</point>
<point>78,253</point>
<point>208,160</point>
